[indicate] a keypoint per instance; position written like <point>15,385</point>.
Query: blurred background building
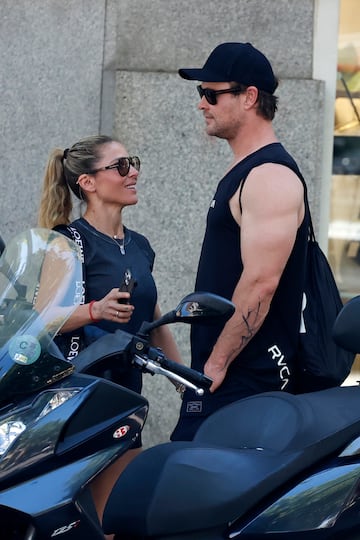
<point>73,68</point>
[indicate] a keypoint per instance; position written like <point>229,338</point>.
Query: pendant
<point>121,243</point>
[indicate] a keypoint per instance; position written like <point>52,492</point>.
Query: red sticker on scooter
<point>121,432</point>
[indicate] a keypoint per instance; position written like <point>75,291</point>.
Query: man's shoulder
<point>273,179</point>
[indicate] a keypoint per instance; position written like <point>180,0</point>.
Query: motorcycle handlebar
<point>187,373</point>
<point>153,360</point>
<point>125,346</point>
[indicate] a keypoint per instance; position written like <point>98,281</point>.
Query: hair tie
<point>65,154</point>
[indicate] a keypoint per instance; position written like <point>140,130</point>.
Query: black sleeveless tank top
<point>268,360</point>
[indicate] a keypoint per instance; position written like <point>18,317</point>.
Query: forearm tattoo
<point>250,321</point>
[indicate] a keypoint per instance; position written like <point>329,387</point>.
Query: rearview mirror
<point>193,308</point>
<point>204,306</point>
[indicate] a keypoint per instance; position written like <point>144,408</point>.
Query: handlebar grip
<point>197,378</point>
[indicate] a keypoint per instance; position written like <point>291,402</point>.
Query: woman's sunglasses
<point>210,95</point>
<point>122,165</point>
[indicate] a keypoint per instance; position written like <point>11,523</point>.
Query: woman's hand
<point>110,308</point>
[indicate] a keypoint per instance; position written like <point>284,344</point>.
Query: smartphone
<point>127,285</point>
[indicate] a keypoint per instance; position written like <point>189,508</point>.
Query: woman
<point>99,172</point>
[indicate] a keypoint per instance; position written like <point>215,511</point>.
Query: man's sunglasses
<point>122,165</point>
<point>210,95</point>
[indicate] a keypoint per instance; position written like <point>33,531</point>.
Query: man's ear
<point>86,182</point>
<point>251,96</point>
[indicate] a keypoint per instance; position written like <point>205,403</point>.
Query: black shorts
<point>238,384</point>
<point>194,409</point>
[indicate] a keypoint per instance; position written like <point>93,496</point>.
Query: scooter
<point>272,466</point>
<point>60,424</point>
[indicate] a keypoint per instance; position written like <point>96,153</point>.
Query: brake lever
<point>154,368</point>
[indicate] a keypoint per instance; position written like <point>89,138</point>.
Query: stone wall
<point>71,69</point>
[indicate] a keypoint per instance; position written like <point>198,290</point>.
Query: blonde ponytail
<point>55,204</point>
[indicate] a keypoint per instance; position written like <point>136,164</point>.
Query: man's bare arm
<point>272,210</point>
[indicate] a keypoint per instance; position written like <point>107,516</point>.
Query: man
<point>255,241</point>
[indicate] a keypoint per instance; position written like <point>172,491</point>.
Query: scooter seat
<point>184,486</point>
<point>282,421</point>
<point>238,457</point>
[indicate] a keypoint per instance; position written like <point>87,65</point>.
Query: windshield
<point>40,286</point>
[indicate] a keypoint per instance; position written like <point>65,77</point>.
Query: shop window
<point>344,223</point>
<point>344,227</point>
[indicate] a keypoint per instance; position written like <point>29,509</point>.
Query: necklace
<point>120,242</point>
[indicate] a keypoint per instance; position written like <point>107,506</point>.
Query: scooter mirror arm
<point>147,327</point>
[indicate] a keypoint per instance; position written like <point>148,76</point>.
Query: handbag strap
<point>78,334</point>
<point>76,236</point>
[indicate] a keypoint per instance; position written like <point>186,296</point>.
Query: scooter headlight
<point>13,426</point>
<point>9,431</point>
<point>57,399</point>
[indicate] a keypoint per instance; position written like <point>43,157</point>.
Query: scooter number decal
<point>65,529</point>
<point>24,350</point>
<point>121,432</point>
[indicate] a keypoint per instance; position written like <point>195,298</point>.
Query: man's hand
<point>216,372</point>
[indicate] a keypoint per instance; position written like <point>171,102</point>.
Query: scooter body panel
<point>325,504</point>
<point>77,428</point>
<point>45,488</point>
<point>52,504</point>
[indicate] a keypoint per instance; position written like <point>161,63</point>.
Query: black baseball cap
<point>235,62</point>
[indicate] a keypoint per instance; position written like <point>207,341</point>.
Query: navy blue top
<point>104,267</point>
<point>219,270</point>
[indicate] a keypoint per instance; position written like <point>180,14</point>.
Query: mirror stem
<point>147,327</point>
